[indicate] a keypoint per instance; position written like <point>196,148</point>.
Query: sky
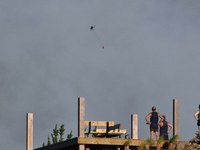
<point>49,58</point>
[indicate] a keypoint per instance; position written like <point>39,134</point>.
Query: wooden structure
<point>81,119</point>
<point>134,126</point>
<point>29,131</point>
<point>93,143</point>
<point>176,117</point>
<point>110,131</point>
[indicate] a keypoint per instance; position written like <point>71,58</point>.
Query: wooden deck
<point>110,141</point>
<point>90,142</point>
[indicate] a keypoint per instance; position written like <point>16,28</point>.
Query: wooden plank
<point>123,131</point>
<point>99,123</point>
<point>111,141</point>
<point>103,131</point>
<point>117,126</point>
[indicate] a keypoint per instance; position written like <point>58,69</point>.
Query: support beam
<point>81,116</point>
<point>176,116</point>
<point>81,119</point>
<point>29,131</point>
<point>134,126</point>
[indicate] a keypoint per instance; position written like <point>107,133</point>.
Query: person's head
<point>153,108</point>
<point>164,117</point>
<point>199,106</point>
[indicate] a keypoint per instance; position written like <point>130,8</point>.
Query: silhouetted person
<point>164,128</point>
<point>198,119</point>
<point>154,122</point>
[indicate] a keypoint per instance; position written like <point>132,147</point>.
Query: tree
<point>61,132</point>
<point>48,142</point>
<point>69,136</point>
<point>55,135</point>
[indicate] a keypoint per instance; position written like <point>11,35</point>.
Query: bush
<point>55,133</point>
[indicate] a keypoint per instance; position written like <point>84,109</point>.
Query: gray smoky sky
<point>49,58</point>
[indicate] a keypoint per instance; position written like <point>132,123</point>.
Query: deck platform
<point>95,142</point>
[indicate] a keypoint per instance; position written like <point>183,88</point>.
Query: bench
<point>110,131</point>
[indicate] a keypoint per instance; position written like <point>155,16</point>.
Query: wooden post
<point>29,132</point>
<point>81,119</point>
<point>134,126</point>
<point>176,116</point>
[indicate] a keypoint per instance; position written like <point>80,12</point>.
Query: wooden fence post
<point>81,119</point>
<point>29,132</point>
<point>134,126</point>
<point>176,116</point>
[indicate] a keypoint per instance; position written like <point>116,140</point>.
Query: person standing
<point>164,128</point>
<point>198,119</point>
<point>154,116</point>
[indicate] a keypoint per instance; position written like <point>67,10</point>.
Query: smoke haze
<point>49,58</point>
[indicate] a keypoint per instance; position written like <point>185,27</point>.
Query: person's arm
<point>170,126</point>
<point>195,115</point>
<point>160,123</point>
<point>149,115</point>
<point>161,117</point>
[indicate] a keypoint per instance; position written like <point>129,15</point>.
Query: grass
<point>160,140</point>
<point>174,139</point>
<point>127,143</point>
<point>147,142</point>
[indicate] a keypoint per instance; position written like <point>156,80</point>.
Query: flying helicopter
<point>92,29</point>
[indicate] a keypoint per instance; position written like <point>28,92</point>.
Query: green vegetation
<point>127,143</point>
<point>69,136</point>
<point>61,132</point>
<point>55,134</point>
<point>143,146</point>
<point>48,142</point>
<point>84,132</point>
<point>197,135</point>
<point>149,142</point>
<point>160,140</point>
<point>95,134</point>
<point>174,139</point>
